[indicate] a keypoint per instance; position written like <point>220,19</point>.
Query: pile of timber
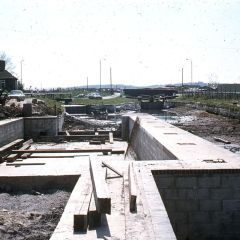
<point>95,200</point>
<point>6,149</point>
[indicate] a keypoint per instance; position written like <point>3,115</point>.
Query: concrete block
<point>164,182</point>
<point>231,205</point>
<point>210,205</point>
<point>209,181</point>
<point>179,217</point>
<point>187,206</point>
<point>231,181</point>
<point>224,193</point>
<point>186,182</point>
<point>171,194</point>
<point>222,216</point>
<point>199,217</point>
<point>170,205</point>
<point>200,193</point>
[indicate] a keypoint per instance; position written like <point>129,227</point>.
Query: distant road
<point>115,95</point>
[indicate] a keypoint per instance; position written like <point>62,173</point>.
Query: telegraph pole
<point>111,78</point>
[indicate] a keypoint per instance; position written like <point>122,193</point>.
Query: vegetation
<point>224,103</point>
<point>118,100</point>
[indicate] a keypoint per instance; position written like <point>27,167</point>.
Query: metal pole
<point>191,72</point>
<point>21,69</point>
<point>111,78</point>
<point>100,76</point>
<point>182,81</point>
<point>87,83</point>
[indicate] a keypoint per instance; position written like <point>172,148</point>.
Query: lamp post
<point>21,69</point>
<point>100,76</point>
<point>191,70</point>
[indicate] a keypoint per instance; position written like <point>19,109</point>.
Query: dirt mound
<point>32,217</point>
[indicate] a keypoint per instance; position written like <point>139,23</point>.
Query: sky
<point>60,43</point>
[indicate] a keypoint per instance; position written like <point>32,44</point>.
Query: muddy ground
<point>30,216</point>
<point>208,126</point>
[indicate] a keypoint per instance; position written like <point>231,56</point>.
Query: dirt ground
<point>30,216</point>
<point>208,126</point>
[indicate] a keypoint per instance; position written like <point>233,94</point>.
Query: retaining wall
<point>202,205</point>
<point>10,130</point>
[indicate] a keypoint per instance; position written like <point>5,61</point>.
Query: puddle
<point>170,117</point>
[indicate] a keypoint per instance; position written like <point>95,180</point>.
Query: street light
<point>191,69</point>
<point>21,69</point>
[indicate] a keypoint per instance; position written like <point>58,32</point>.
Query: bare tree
<point>8,61</point>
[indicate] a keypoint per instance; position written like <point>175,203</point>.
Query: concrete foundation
<point>35,127</point>
<point>187,187</point>
<point>10,130</point>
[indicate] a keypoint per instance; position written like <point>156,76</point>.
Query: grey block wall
<point>11,130</point>
<point>41,126</point>
<point>202,205</point>
<point>146,146</point>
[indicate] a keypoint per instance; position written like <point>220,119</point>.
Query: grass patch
<point>113,101</point>
<point>224,103</point>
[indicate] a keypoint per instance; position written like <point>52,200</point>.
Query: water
<point>169,116</point>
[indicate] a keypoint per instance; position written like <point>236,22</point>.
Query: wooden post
<point>132,189</point>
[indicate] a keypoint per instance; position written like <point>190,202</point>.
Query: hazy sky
<point>145,42</point>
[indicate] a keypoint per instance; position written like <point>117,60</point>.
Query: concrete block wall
<point>41,126</point>
<point>201,205</point>
<point>144,144</point>
<point>10,130</point>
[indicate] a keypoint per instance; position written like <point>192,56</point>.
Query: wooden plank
<point>25,155</point>
<point>80,216</point>
<point>24,164</point>
<point>63,150</point>
<point>82,137</point>
<point>28,142</point>
<point>95,142</point>
<point>217,139</point>
<point>112,168</point>
<point>132,189</point>
<point>102,198</point>
<point>111,137</point>
<point>11,145</point>
<point>67,133</point>
<point>12,157</point>
<point>94,217</point>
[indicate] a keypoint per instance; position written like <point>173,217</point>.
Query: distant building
<point>231,87</point>
<point>7,80</point>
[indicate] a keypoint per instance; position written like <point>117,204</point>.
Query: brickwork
<point>202,205</point>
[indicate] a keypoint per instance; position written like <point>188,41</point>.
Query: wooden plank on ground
<point>62,150</point>
<point>23,164</point>
<point>12,157</point>
<point>94,217</point>
<point>80,217</point>
<point>102,198</point>
<point>28,142</point>
<point>132,189</point>
<point>67,133</point>
<point>25,155</point>
<point>11,145</point>
<point>112,168</point>
<point>111,137</point>
<point>82,137</point>
<point>217,139</point>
